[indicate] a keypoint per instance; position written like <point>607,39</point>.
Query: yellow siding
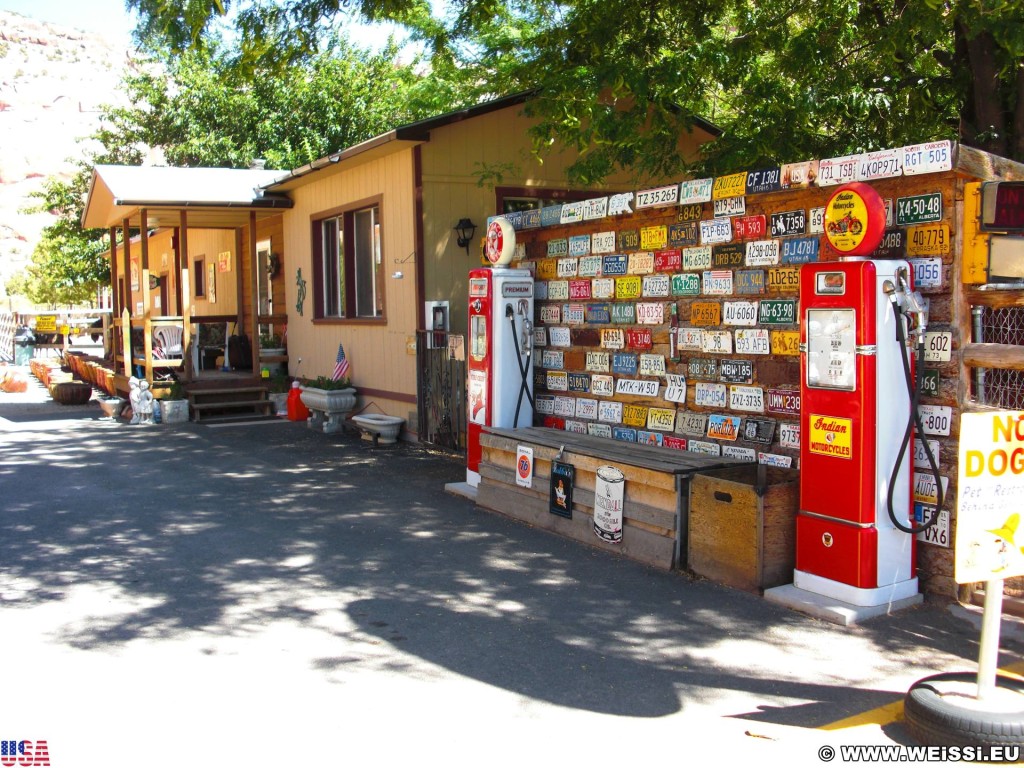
<point>377,353</point>
<point>207,244</point>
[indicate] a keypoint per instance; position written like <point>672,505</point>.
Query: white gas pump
<point>500,364</point>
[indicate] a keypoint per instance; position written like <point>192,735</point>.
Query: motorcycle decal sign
<point>855,219</point>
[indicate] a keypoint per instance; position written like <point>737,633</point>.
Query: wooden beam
<point>1005,356</point>
<point>996,299</point>
<point>184,265</point>
<point>113,342</point>
<point>254,294</point>
<point>126,247</point>
<point>147,311</point>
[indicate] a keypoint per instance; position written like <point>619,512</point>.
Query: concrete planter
<point>174,411</point>
<point>280,401</point>
<point>111,406</point>
<point>328,407</point>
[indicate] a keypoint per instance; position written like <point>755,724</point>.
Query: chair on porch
<point>168,342</point>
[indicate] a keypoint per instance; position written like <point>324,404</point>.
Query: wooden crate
<point>738,536</point>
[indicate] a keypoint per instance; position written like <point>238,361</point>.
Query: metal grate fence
<point>1000,387</point>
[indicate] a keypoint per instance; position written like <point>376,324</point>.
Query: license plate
<point>603,288</point>
<point>933,157</point>
<point>634,415</point>
<point>686,284</point>
<point>637,387</point>
<point>925,489</point>
<point>579,382</point>
<point>572,213</point>
<point>752,341</point>
<point>574,314</point>
<point>602,242</point>
<point>558,247</point>
<point>663,419</point>
<point>628,287</point>
<point>927,272</point>
<point>758,431</point>
<point>652,365</point>
<point>695,191</point>
<point>938,346</point>
<point>763,253</point>
<point>706,313</point>
<point>599,430</point>
<point>764,180</point>
<point>785,343</point>
<point>675,388</point>
<point>653,238</point>
<point>710,395</point>
<point>641,263</point>
<point>716,342</point>
<point>733,185</point>
<point>774,460</point>
<point>597,362</point>
<point>750,227</point>
<point>837,170</point>
<point>651,314</point>
<point>749,281</point>
<point>557,381</point>
<point>565,406</point>
<point>784,401</point>
<point>624,434</point>
<point>800,250</point>
<point>723,427</point>
<point>816,221</point>
<point>783,278</point>
<point>629,239</point>
<point>921,456</point>
<point>743,454</point>
<point>658,197</point>
<point>936,419</point>
<point>702,368</point>
<point>930,382</point>
<point>595,208</point>
<point>639,338</point>
<point>893,245</point>
<point>730,206</point>
<point>550,315</point>
<point>656,286</point>
<point>579,289</point>
<point>688,423</point>
<point>777,311</point>
<point>567,267</point>
<point>928,239</point>
<point>704,447</point>
<point>688,339</point>
<point>884,164</point>
<point>736,371</point>
<point>739,313</point>
<point>579,245</point>
<point>728,256</point>
<point>682,235</point>
<point>938,534</point>
<point>789,223</point>
<point>612,338</point>
<point>697,258</point>
<point>717,282</point>
<point>689,212</point>
<point>714,231</point>
<point>668,261</point>
<point>558,290</point>
<point>602,385</point>
<point>789,435</point>
<point>749,399</point>
<point>918,209</point>
<point>589,266</point>
<point>609,412</point>
<point>552,359</point>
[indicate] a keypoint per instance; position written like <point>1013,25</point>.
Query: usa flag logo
<point>24,753</point>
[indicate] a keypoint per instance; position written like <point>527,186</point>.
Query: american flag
<point>340,364</point>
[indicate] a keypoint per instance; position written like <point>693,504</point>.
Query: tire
<point>936,719</point>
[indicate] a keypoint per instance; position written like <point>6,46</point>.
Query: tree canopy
<point>784,79</point>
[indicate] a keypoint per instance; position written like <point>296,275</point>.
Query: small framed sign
<point>563,477</point>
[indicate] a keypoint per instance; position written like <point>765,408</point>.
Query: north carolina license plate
<point>746,399</point>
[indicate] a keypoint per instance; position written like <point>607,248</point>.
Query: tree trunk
<point>1018,119</point>
<point>988,121</point>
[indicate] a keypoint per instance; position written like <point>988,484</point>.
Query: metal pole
<point>988,652</point>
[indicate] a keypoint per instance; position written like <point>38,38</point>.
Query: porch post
<point>254,294</point>
<point>147,336</point>
<point>113,342</point>
<point>184,263</point>
<point>126,330</point>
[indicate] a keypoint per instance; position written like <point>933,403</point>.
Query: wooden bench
<point>657,488</point>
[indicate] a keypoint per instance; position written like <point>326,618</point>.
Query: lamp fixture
<point>465,229</point>
<point>154,282</point>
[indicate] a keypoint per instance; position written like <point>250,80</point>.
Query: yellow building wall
<point>208,244</point>
<point>381,355</point>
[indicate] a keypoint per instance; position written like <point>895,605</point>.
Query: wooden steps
<point>230,404</point>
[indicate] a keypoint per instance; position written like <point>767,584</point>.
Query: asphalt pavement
<point>263,594</point>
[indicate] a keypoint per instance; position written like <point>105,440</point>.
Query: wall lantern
<point>465,229</point>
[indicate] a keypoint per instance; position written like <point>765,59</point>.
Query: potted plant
<point>329,401</point>
<point>277,389</point>
<point>272,346</point>
<point>174,403</point>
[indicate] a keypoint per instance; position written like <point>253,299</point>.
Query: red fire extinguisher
<point>297,410</point>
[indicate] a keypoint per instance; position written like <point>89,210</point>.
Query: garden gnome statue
<point>134,394</point>
<point>145,403</point>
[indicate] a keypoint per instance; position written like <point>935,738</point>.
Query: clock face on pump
<point>500,243</point>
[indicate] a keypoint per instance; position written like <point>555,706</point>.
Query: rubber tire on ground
<point>934,719</point>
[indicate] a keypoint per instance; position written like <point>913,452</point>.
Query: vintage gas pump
<point>500,365</point>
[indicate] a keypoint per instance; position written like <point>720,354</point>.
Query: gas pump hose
<point>523,368</point>
<point>914,390</point>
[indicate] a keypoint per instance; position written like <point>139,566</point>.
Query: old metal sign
<point>624,363</point>
<point>586,408</point>
<point>717,342</point>
<point>552,359</point>
<point>547,269</point>
<point>646,437</point>
<point>695,191</point>
<point>774,460</point>
<point>558,290</point>
<point>927,272</point>
<point>653,238</point>
<point>729,256</point>
<point>938,346</point>
<point>699,258</point>
<point>609,412</point>
<point>800,250</point>
<point>933,157</point>
<point>930,382</point>
<point>675,388</point>
<point>928,239</point>
<point>544,404</point>
<point>885,164</point>
<point>602,242</point>
<point>572,213</point>
<point>599,313</point>
<point>683,234</point>
<point>702,368</point>
<point>784,401</point>
<point>743,398</point>
<point>602,385</point>
<point>676,443</point>
<point>668,260</point>
<point>788,223</point>
<point>659,197</point>
<point>714,231</point>
<point>652,365</point>
<point>749,281</point>
<point>616,265</point>
<point>565,406</point>
<point>637,387</point>
<point>629,240</point>
<point>706,313</point>
<point>620,203</point>
<point>789,435</point>
<point>579,289</point>
<point>749,227</point>
<point>629,287</point>
<point>816,221</point>
<point>743,454</point>
<point>559,247</point>
<point>837,170</point>
<point>540,290</point>
<point>893,245</point>
<point>730,206</point>
<point>574,314</point>
<point>597,362</point>
<point>752,341</point>
<point>717,282</point>
<point>579,245</point>
<point>625,434</point>
<point>921,448</point>
<point>690,423</point>
<point>736,371</point>
<point>763,253</point>
<point>686,284</point>
<point>612,338</point>
<point>579,382</point>
<point>603,288</point>
<point>784,278</point>
<point>595,208</point>
<point>733,185</point>
<point>530,219</point>
<point>550,215</point>
<point>639,338</point>
<point>689,212</point>
<point>623,314</point>
<point>579,427</point>
<point>661,418</point>
<point>786,343</point>
<point>649,313</point>
<point>709,395</point>
<point>799,175</point>
<point>688,339</point>
<point>557,381</point>
<point>704,447</point>
<point>723,427</point>
<point>764,180</point>
<point>758,430</point>
<point>540,336</point>
<point>550,315</point>
<point>918,209</point>
<point>777,311</point>
<point>641,263</point>
<point>739,313</point>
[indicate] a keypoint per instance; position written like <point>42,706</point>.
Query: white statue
<point>145,403</point>
<point>134,397</point>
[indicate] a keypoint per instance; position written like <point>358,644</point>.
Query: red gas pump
<point>500,365</point>
<point>856,406</point>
